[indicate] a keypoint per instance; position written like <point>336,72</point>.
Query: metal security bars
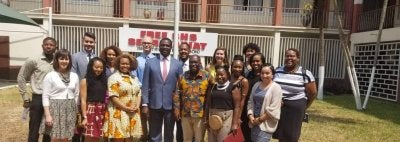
<point>70,37</point>
<point>385,85</point>
<point>309,50</point>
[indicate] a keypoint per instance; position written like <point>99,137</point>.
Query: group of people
<point>122,98</point>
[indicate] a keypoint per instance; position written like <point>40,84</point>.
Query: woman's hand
<point>49,120</point>
<point>234,129</point>
<point>84,123</point>
<point>130,109</point>
<point>251,120</point>
<point>206,125</point>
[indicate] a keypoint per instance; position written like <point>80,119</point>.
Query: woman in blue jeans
<point>264,106</point>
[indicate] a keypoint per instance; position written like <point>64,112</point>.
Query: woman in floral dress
<point>122,118</point>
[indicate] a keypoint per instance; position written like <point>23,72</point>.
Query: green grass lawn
<point>334,119</point>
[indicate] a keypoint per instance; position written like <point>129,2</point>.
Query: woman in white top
<point>264,106</point>
<point>60,94</point>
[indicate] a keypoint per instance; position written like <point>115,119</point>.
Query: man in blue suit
<point>159,83</point>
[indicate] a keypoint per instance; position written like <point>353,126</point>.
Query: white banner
<point>202,44</point>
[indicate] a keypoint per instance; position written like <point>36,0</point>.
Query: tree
<point>377,46</point>
<point>349,61</point>
<point>321,69</point>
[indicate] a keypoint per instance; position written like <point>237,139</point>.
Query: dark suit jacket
<point>155,92</point>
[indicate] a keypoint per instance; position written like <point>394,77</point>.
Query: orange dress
<point>118,123</point>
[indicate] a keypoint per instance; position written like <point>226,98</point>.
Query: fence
<point>69,37</point>
<point>386,79</point>
<point>309,50</point>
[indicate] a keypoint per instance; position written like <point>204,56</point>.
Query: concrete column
<point>46,3</point>
<point>125,25</point>
<point>397,14</point>
<point>45,26</point>
<point>277,47</point>
<point>357,9</point>
<point>203,14</point>
<point>126,7</point>
<point>202,58</point>
<point>278,13</point>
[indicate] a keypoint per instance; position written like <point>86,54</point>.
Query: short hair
<point>295,51</point>
<point>169,40</point>
<point>195,55</point>
<point>225,68</point>
<point>258,54</point>
<point>51,39</point>
<point>62,53</point>
<point>132,60</point>
<point>251,46</point>
<point>226,62</point>
<point>270,66</point>
<point>238,57</point>
<point>103,54</point>
<point>184,43</point>
<point>90,34</point>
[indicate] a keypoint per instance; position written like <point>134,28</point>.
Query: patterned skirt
<point>95,117</point>
<point>63,112</point>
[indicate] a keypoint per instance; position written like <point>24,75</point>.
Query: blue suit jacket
<point>155,92</point>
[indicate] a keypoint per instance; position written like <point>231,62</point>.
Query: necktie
<point>164,69</point>
<point>89,56</point>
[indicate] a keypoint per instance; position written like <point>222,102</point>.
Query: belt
<point>34,94</point>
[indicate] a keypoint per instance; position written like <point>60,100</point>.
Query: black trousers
<point>289,125</point>
<point>179,132</point>
<point>35,118</point>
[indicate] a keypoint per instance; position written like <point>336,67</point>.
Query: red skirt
<point>95,117</point>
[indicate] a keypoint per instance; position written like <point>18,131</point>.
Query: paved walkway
<point>5,83</point>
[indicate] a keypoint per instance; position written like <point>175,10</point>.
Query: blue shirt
<point>80,61</point>
<point>142,59</point>
<point>258,99</point>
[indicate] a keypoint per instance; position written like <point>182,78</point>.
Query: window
<point>289,6</point>
<point>248,5</point>
<point>152,2</point>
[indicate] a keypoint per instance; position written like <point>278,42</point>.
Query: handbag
<point>235,138</point>
<point>215,122</point>
<point>79,119</point>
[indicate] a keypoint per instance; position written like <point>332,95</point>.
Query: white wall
<point>25,41</point>
<point>95,8</point>
<point>391,34</point>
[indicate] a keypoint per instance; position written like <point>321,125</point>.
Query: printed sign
<point>202,44</point>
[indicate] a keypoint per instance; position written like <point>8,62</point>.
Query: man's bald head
<point>147,44</point>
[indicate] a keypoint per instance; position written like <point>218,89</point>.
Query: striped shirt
<point>34,69</point>
<point>293,85</point>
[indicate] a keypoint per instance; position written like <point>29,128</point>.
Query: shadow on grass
<point>381,109</point>
<point>324,119</point>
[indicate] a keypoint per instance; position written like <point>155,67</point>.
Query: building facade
<point>275,25</point>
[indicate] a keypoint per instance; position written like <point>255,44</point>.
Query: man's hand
<point>177,114</point>
<point>145,111</point>
<point>26,104</point>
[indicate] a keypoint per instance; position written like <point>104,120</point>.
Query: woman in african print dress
<point>122,118</point>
